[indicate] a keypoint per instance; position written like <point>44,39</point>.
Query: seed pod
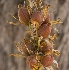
<point>29,58</point>
<point>23,15</point>
<point>37,16</point>
<point>32,61</point>
<point>47,47</point>
<point>44,30</point>
<point>47,60</point>
<point>27,47</point>
<point>47,19</point>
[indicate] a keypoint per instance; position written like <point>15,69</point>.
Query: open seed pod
<point>44,30</point>
<point>23,15</point>
<point>47,60</point>
<point>32,61</point>
<point>37,16</point>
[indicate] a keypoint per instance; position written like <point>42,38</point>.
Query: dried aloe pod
<point>37,16</point>
<point>47,60</point>
<point>23,15</point>
<point>44,30</point>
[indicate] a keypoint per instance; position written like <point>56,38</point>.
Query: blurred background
<point>10,33</point>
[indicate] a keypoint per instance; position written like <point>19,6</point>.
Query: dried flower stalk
<point>37,46</point>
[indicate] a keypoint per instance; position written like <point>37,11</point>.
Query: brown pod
<point>37,16</point>
<point>32,61</point>
<point>47,60</point>
<point>27,47</point>
<point>23,15</point>
<point>47,20</point>
<point>29,58</point>
<point>47,47</point>
<point>44,30</point>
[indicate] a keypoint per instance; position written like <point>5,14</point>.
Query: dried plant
<point>37,46</point>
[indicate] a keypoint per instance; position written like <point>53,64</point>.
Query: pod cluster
<point>37,46</point>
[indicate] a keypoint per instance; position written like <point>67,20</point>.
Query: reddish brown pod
<point>47,60</point>
<point>27,47</point>
<point>23,15</point>
<point>47,47</point>
<point>32,61</point>
<point>37,16</point>
<point>47,20</point>
<point>44,30</point>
